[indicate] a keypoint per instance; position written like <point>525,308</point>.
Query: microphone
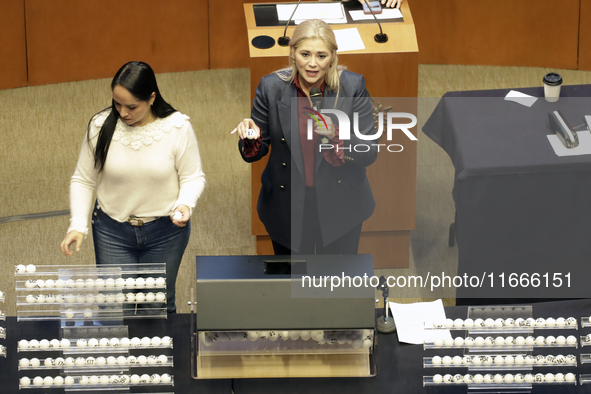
<point>316,98</point>
<point>284,40</point>
<point>381,37</point>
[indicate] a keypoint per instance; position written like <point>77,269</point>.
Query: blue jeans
<point>159,241</point>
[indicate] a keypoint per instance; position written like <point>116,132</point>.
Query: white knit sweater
<point>149,171</point>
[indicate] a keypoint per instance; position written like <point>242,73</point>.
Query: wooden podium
<point>391,70</point>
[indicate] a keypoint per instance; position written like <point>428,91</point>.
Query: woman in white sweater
<point>141,157</point>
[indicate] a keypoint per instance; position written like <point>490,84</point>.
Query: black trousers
<point>312,236</point>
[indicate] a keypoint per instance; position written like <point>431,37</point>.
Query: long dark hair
<point>139,79</point>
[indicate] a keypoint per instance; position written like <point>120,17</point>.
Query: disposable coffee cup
<point>552,82</point>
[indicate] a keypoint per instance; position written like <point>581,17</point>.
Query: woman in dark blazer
<point>315,194</point>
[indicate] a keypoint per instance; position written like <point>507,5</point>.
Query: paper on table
<point>521,98</point>
<point>411,319</point>
<point>349,40</point>
<point>329,21</point>
<point>311,11</point>
<point>584,147</point>
<point>390,13</point>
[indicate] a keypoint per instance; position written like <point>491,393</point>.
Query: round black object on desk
<point>263,42</point>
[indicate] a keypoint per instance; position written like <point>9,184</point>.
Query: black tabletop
<point>400,366</point>
<point>520,209</point>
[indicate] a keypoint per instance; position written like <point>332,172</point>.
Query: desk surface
<point>400,368</point>
<point>519,207</point>
<point>485,134</point>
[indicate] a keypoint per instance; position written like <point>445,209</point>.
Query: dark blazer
<point>343,193</point>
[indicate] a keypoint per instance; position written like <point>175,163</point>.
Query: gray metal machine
<point>284,316</point>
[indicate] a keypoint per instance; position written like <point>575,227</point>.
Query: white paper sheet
<point>387,13</point>
<point>349,40</point>
<point>411,320</point>
<point>311,11</point>
<point>521,98</point>
<point>584,147</point>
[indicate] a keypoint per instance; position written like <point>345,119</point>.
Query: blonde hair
<point>314,29</point>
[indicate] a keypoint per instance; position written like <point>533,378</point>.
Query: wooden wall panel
<point>228,38</point>
<point>534,33</point>
<point>13,48</point>
<point>585,36</point>
<point>73,40</point>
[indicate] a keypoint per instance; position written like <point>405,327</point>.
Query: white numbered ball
<point>93,380</point>
<point>142,360</point>
<point>130,282</point>
<point>571,340</point>
<point>125,342</point>
<point>49,284</point>
<point>140,283</point>
<point>38,381</point>
<point>130,297</point>
<point>150,282</point>
<point>122,360</point>
<point>84,380</point>
<point>33,344</point>
<point>101,361</point>
<point>60,284</point>
<point>146,341</point>
<point>90,361</point>
<point>134,379</point>
<point>30,268</point>
<point>23,362</point>
<point>21,268</point>
<point>81,343</point>
<point>160,297</point>
<point>80,361</point>
<point>59,362</point>
<point>156,341</point>
<point>155,378</point>
<point>165,378</point>
<point>65,343</point>
<point>160,282</point>
<point>120,297</point>
<point>114,342</point>
<point>31,299</point>
<point>49,362</point>
<point>104,380</point>
<point>79,283</point>
<point>111,360</point>
<point>34,362</point>
<point>58,381</point>
<point>135,342</point>
<point>69,380</point>
<point>140,297</point>
<point>150,297</point>
<point>99,283</point>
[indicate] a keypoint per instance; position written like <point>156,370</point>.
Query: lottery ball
<point>89,283</point>
<point>120,282</point>
<point>122,360</point>
<point>59,362</point>
<point>34,362</point>
<point>142,360</point>
<point>101,361</point>
<point>33,344</point>
<point>58,381</point>
<point>79,283</point>
<point>49,284</point>
<point>49,363</point>
<point>111,360</point>
<point>99,283</point>
<point>81,343</point>
<point>125,342</point>
<point>160,282</point>
<point>140,282</point>
<point>150,282</point>
<point>31,299</point>
<point>84,380</point>
<point>93,380</point>
<point>160,297</point>
<point>478,378</point>
<point>23,362</point>
<point>571,340</point>
<point>140,297</point>
<point>80,361</point>
<point>21,268</point>
<point>150,297</point>
<point>30,268</point>
<point>135,342</point>
<point>134,379</point>
<point>146,341</point>
<point>114,342</point>
<point>166,340</point>
<point>38,381</point>
<point>156,341</point>
<point>130,282</point>
<point>69,380</point>
<point>165,378</point>
<point>155,378</point>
